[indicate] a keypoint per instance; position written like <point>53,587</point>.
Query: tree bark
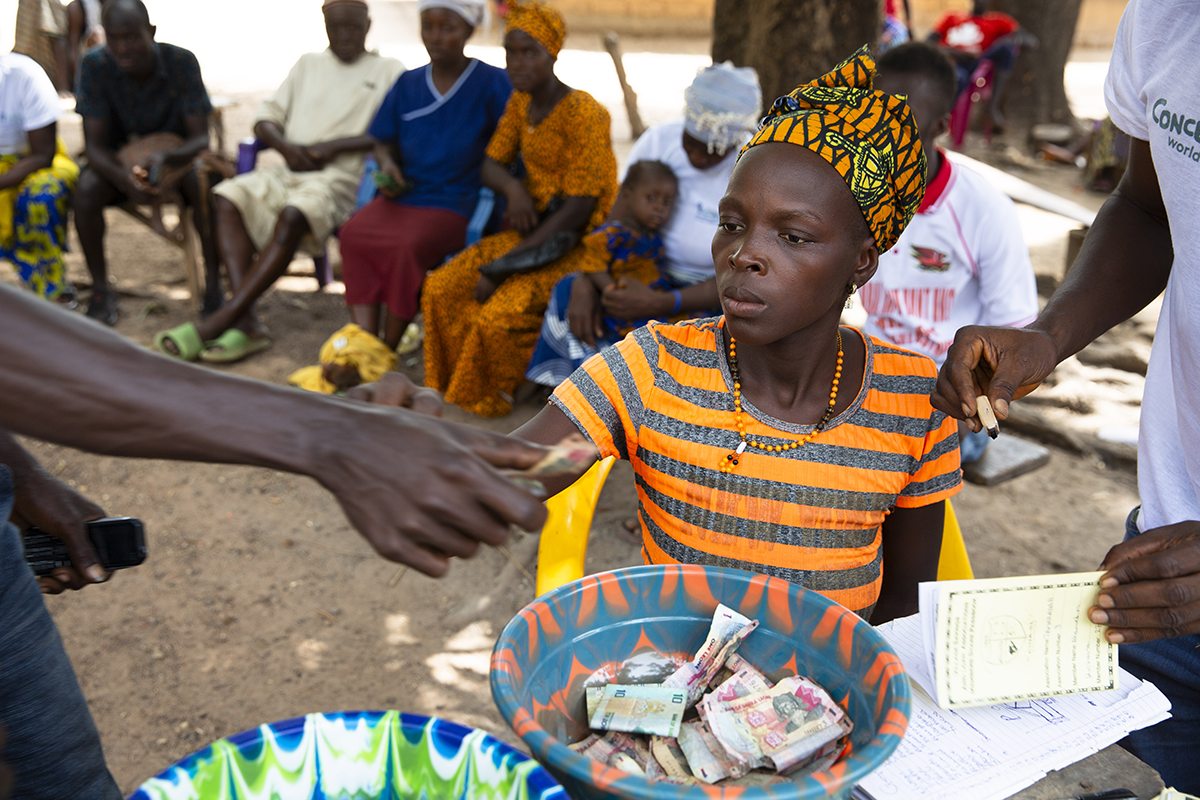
<point>1036,92</point>
<point>790,42</point>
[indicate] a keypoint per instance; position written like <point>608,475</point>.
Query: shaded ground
<point>259,602</point>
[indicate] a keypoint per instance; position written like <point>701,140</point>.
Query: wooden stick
<point>396,578</point>
<point>987,417</point>
<point>508,554</point>
<point>612,43</point>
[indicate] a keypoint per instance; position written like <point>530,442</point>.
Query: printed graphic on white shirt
<point>961,261</point>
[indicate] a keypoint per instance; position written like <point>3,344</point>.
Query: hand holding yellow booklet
<point>1003,640</point>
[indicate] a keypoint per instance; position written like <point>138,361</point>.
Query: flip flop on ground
<point>182,342</point>
<point>233,345</point>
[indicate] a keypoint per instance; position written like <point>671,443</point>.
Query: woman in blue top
<point>432,130</point>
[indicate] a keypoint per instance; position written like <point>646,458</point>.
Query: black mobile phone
<point>120,542</point>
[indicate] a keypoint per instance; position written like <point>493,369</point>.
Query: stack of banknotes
<point>743,726</point>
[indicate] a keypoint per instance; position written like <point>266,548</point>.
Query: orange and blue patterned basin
<point>355,755</point>
<point>549,649</point>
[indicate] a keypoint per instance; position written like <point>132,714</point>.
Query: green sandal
<point>232,345</point>
<point>185,338</point>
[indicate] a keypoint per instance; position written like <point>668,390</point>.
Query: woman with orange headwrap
<point>772,439</point>
<point>483,309</point>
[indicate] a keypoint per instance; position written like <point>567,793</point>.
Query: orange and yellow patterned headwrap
<point>540,21</point>
<point>869,137</point>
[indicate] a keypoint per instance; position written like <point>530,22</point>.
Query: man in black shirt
<point>133,87</point>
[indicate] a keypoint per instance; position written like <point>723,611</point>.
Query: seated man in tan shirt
<point>317,120</point>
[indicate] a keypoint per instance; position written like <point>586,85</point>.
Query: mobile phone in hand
<point>120,543</point>
<point>388,184</point>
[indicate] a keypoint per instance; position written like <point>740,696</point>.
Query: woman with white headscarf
<point>722,109</point>
<point>432,130</point>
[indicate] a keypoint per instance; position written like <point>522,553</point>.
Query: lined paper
<point>991,752</point>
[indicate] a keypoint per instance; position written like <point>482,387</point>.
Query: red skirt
<point>387,248</point>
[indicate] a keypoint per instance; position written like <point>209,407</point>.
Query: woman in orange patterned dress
<point>481,330</point>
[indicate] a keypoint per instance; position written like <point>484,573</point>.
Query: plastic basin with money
<point>549,649</point>
<point>364,755</point>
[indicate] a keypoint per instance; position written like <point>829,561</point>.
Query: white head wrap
<point>722,106</point>
<point>470,10</point>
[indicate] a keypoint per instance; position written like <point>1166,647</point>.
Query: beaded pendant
<point>730,461</point>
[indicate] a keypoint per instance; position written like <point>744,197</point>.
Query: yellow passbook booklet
<point>1003,640</point>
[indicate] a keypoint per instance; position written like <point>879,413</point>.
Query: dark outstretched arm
<point>1124,264</point>
<point>1151,589</point>
<point>419,489</point>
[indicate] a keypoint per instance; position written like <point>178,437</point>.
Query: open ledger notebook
<point>989,752</point>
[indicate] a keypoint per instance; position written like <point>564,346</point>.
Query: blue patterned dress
<point>622,252</point>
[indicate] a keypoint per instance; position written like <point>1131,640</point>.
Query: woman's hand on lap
<point>484,289</point>
<point>584,313</point>
<point>629,298</point>
<point>521,212</point>
<point>392,170</point>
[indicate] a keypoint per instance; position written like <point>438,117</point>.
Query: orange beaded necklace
<point>730,461</point>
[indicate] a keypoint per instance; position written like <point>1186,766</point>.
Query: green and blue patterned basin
<point>355,755</point>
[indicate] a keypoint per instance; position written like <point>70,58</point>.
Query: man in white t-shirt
<point>962,260</point>
<point>722,108</point>
<point>1145,241</point>
<point>33,218</point>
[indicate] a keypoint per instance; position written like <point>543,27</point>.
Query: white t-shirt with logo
<point>961,261</point>
<point>687,237</point>
<point>27,102</point>
<point>1151,93</point>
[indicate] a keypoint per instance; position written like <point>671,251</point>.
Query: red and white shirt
<point>961,261</point>
<point>974,35</point>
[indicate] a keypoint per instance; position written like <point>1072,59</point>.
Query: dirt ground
<point>259,602</point>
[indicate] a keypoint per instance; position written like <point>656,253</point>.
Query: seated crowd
<point>445,137</point>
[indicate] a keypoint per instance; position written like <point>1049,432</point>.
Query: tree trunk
<point>1035,92</point>
<point>790,42</point>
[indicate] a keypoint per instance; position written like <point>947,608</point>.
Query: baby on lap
<point>582,316</point>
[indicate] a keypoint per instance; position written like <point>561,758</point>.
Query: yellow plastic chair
<point>953,564</point>
<point>563,546</point>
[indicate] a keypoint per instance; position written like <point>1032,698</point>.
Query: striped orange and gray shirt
<point>662,399</point>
